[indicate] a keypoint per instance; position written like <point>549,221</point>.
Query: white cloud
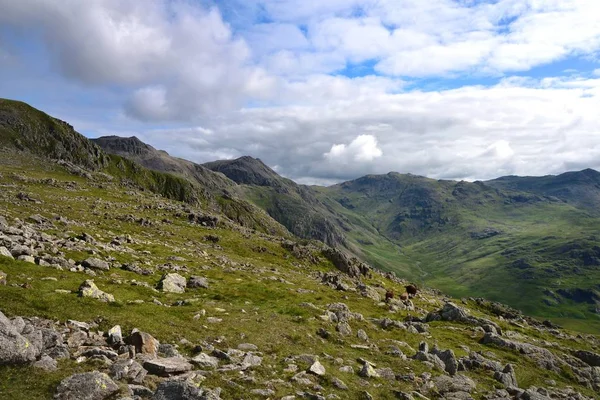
<point>362,149</point>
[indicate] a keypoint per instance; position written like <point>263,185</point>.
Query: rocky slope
<point>114,293</point>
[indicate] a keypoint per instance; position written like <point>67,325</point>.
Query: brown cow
<point>389,294</point>
<point>404,296</point>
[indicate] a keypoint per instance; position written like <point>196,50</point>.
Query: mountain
<point>159,160</point>
<point>117,281</point>
<point>580,188</point>
<point>494,239</point>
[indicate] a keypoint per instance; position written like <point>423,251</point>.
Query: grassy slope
<point>445,256</point>
<point>251,299</point>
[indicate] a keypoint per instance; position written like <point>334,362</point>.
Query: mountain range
<point>530,242</point>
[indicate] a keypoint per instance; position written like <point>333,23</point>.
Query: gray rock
<point>203,360</point>
<point>362,335</point>
<point>94,263</point>
<point>172,283</point>
<point>263,392</point>
<point>338,383</point>
<point>507,377</point>
<point>449,359</point>
<point>197,282</point>
<point>168,350</point>
<point>89,289</point>
<point>4,252</point>
<point>86,386</point>
<point>588,357</point>
<point>178,390</point>
<point>115,336</point>
<point>46,363</point>
<point>167,366</point>
<point>344,329</point>
<point>17,348</point>
<point>128,370</point>
<point>3,278</point>
<point>458,383</point>
<point>247,347</point>
<point>27,259</point>
<point>317,368</point>
<point>141,391</point>
<point>367,371</point>
<point>251,360</point>
<point>20,250</point>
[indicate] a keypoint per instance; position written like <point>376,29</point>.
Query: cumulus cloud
<point>362,149</point>
<point>222,82</point>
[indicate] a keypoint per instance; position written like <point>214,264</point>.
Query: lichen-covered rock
<point>167,366</point>
<point>4,252</point>
<point>172,283</point>
<point>182,390</point>
<point>507,376</point>
<point>197,282</point>
<point>15,347</point>
<point>89,289</point>
<point>87,386</point>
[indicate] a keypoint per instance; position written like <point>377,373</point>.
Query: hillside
<point>110,293</point>
<point>495,239</point>
<point>122,282</point>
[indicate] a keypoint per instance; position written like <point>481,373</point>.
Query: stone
<point>27,259</point>
<point>317,368</point>
<point>168,350</point>
<point>263,392</point>
<point>178,390</point>
<point>592,359</point>
<point>344,329</point>
<point>362,335</point>
<point>140,391</point>
<point>20,250</point>
<point>167,366</point>
<point>144,343</point>
<point>115,336</point>
<point>449,359</point>
<point>367,371</point>
<point>338,383</point>
<point>15,347</point>
<point>251,360</point>
<point>458,383</point>
<point>203,360</point>
<point>172,283</point>
<point>507,377</point>
<point>247,347</point>
<point>3,278</point>
<point>46,363</point>
<point>86,386</point>
<point>4,252</point>
<point>197,282</point>
<point>128,370</point>
<point>89,289</point>
<point>94,263</point>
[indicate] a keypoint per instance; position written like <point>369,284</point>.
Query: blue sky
<point>322,91</point>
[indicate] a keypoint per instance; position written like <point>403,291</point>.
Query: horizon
<point>355,178</point>
<point>326,92</point>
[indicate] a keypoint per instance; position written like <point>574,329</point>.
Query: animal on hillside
<point>404,296</point>
<point>412,290</point>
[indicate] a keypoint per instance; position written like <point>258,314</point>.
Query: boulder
<point>507,376</point>
<point>203,360</point>
<point>172,283</point>
<point>94,263</point>
<point>317,368</point>
<point>197,282</point>
<point>128,370</point>
<point>115,336</point>
<point>46,363</point>
<point>89,289</point>
<point>458,383</point>
<point>592,359</point>
<point>167,366</point>
<point>144,343</point>
<point>367,371</point>
<point>17,347</point>
<point>86,386</point>
<point>178,390</point>
<point>4,252</point>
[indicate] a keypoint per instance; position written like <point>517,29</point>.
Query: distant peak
<point>123,145</point>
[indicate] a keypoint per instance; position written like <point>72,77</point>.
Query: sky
<point>321,91</point>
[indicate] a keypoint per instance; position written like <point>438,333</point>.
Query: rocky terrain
<point>112,288</point>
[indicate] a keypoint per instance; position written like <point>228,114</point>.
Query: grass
<point>244,270</point>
